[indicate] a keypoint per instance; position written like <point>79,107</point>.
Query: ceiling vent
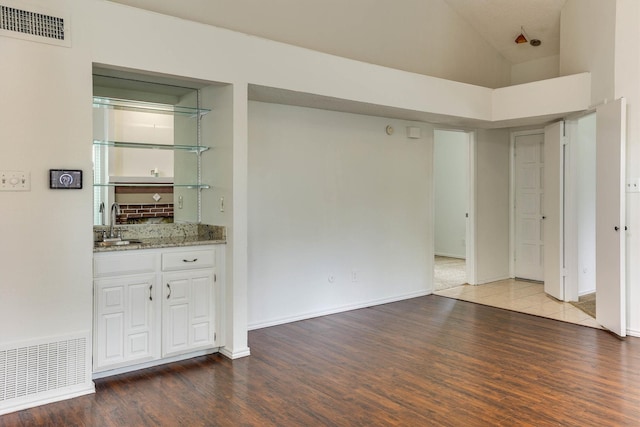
<point>32,25</point>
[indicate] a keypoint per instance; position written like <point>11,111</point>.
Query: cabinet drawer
<point>184,260</point>
<point>124,264</point>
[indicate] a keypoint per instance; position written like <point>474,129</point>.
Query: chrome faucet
<point>101,210</point>
<point>115,211</point>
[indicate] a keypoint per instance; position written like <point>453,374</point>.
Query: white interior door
<point>610,216</point>
<point>529,195</point>
<point>553,210</point>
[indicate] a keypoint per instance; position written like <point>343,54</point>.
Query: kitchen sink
<point>117,242</point>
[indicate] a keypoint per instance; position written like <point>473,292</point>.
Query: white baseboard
<point>448,255</point>
<point>158,362</point>
<point>310,315</point>
<point>491,279</point>
<point>27,402</point>
<point>633,333</point>
<point>235,354</point>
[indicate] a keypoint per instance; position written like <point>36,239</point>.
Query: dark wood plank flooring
<point>429,361</point>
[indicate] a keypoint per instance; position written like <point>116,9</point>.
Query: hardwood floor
<point>428,361</point>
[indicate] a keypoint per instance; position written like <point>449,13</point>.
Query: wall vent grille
<point>32,23</point>
<point>41,368</point>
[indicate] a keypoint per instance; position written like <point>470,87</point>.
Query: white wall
<point>223,202</point>
<point>600,37</point>
<point>492,205</point>
<point>587,40</point>
<point>330,195</point>
<point>451,180</point>
<point>541,98</point>
<point>46,122</point>
<point>421,36</point>
<point>46,255</point>
<point>46,250</point>
<point>537,69</point>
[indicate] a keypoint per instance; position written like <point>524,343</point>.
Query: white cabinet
<point>188,321</point>
<point>187,315</point>
<point>124,327</point>
<point>152,304</point>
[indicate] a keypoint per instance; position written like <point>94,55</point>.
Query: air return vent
<point>42,369</point>
<point>33,25</point>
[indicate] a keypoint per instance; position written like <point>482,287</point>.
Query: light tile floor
<point>522,296</point>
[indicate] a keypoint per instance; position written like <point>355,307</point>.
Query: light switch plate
<point>15,181</point>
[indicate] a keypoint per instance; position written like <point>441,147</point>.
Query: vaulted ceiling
<point>497,21</point>
<point>500,22</point>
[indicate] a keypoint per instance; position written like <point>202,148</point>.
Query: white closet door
<point>529,195</point>
<point>610,216</point>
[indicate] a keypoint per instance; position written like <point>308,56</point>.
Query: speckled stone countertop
<point>162,236</point>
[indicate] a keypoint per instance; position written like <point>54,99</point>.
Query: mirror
<point>146,148</point>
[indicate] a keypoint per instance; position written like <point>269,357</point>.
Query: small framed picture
<point>65,179</point>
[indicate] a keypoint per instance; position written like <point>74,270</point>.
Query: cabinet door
<point>124,319</point>
<point>188,311</point>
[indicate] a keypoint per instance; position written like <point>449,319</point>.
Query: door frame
<point>512,194</point>
<point>571,235</point>
<point>470,246</point>
<point>554,210</point>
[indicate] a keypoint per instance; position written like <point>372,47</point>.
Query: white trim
<point>633,332</point>
<point>471,210</point>
<point>158,362</point>
<point>470,235</point>
<point>512,195</point>
<point>457,256</point>
<point>341,309</point>
<point>232,354</point>
<point>431,244</point>
<point>570,207</point>
<point>52,396</point>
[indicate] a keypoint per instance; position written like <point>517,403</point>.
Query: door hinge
<point>564,272</point>
<point>215,336</point>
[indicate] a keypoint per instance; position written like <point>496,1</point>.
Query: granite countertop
<point>162,236</point>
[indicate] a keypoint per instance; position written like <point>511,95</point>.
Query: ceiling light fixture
<point>521,37</point>
<point>524,38</point>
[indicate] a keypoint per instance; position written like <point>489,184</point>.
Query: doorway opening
<point>580,194</point>
<point>451,213</point>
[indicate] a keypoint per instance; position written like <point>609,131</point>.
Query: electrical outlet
<point>354,275</point>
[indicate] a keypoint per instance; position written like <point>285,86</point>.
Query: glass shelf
<point>150,107</point>
<point>191,148</point>
<point>142,184</point>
